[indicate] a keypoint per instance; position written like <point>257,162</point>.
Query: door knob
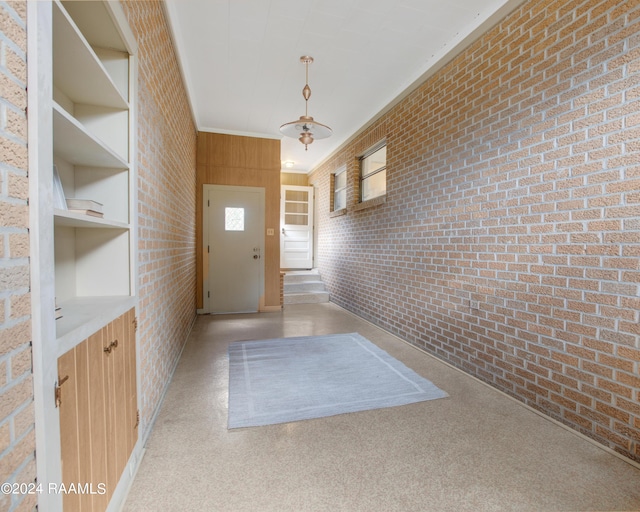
<point>256,256</point>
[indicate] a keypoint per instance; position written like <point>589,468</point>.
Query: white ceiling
<point>241,60</point>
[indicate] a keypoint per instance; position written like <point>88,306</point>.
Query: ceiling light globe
<point>306,138</point>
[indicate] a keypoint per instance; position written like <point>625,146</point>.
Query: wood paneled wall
<point>247,162</point>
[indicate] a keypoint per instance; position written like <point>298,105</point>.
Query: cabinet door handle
<point>58,391</point>
<point>112,345</point>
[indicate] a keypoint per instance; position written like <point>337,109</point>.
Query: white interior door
<point>235,241</point>
<point>296,224</point>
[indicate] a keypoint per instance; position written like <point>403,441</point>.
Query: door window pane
<point>296,207</point>
<point>297,195</point>
<point>234,219</point>
<point>293,219</point>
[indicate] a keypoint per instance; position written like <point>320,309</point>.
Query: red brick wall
<point>166,165</point>
<point>509,242</point>
<point>17,428</point>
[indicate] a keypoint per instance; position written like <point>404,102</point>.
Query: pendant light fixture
<point>306,129</point>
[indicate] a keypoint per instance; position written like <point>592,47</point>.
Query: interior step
<point>301,276</point>
<point>304,287</point>
<point>306,298</point>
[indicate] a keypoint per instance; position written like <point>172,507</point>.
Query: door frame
<point>206,242</point>
<point>316,215</point>
<point>311,224</point>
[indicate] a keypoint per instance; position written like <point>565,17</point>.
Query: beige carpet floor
<point>477,450</point>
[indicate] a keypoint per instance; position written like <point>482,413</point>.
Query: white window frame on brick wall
<point>372,169</point>
<point>339,189</point>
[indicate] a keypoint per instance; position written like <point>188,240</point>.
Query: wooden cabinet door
<point>69,438</point>
<point>108,362</point>
<point>98,413</point>
<point>131,391</point>
<point>120,370</point>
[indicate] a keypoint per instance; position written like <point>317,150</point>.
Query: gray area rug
<point>291,379</point>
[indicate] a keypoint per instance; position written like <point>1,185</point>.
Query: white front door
<point>234,241</point>
<point>296,224</point>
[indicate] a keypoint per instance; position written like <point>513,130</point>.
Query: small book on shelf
<point>86,212</point>
<point>85,206</point>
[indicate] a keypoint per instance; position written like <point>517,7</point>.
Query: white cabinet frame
<point>51,338</point>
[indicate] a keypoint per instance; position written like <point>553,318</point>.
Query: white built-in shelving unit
<point>92,151</point>
<point>81,94</point>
